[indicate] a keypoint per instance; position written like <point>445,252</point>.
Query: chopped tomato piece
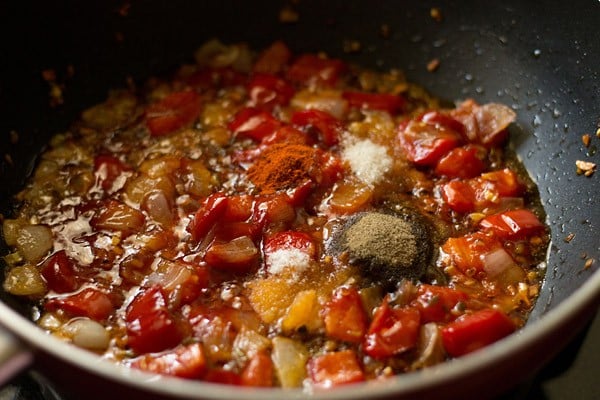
<point>258,371</point>
<point>504,182</point>
<point>239,207</point>
<point>274,59</point>
<point>375,101</point>
<point>150,325</point>
<point>89,303</point>
<point>310,69</point>
<point>424,144</point>
<point>273,209</point>
<point>223,377</point>
<point>269,90</point>
<point>436,302</point>
<point>107,170</point>
<point>515,224</point>
<point>59,273</point>
<point>183,361</point>
<point>484,124</point>
<point>237,255</point>
<point>288,240</point>
<point>173,112</point>
<point>474,331</point>
<point>459,195</point>
<point>461,162</point>
<point>337,368</point>
<point>392,331</point>
<point>344,316</point>
<point>254,123</point>
<point>467,252</point>
<point>214,78</point>
<point>327,126</point>
<point>445,120</point>
<point>213,208</point>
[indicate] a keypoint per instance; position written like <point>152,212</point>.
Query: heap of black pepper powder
<point>387,247</point>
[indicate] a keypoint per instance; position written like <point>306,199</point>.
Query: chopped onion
<point>289,359</point>
<point>429,348</point>
<point>34,242</point>
<point>25,280</point>
<point>497,261</point>
<point>86,333</point>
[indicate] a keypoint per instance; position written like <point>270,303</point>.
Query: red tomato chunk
<point>265,219</point>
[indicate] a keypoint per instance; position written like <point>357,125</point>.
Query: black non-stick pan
<point>542,58</point>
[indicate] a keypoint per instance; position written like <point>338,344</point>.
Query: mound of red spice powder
<point>284,166</point>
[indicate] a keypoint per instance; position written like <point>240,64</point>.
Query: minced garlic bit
<point>569,237</point>
<point>585,167</point>
<point>598,132</point>
<point>368,161</point>
<point>588,263</point>
<point>433,64</point>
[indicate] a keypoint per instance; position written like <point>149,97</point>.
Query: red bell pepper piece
<point>337,368</point>
<point>59,272</point>
<point>392,331</point>
<point>89,303</point>
<point>184,361</point>
<point>150,325</point>
<point>515,224</point>
<point>344,316</point>
<point>474,331</point>
<point>213,208</point>
<point>254,123</point>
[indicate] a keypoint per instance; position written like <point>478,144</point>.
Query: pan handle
<point>14,357</point>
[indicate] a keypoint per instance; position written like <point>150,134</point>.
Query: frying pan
<point>541,58</point>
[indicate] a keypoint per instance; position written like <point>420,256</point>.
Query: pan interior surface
<point>518,53</point>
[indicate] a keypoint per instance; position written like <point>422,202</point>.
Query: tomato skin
<point>173,112</point>
<point>344,316</point>
<point>89,303</point>
<point>392,331</point>
<point>59,273</point>
<point>474,331</point>
<point>107,169</point>
<point>436,302</point>
<point>514,224</point>
<point>327,125</point>
<point>268,90</point>
<point>184,361</point>
<point>375,101</point>
<point>213,208</point>
<point>445,120</point>
<point>150,326</point>
<point>310,69</point>
<point>258,371</point>
<point>425,144</point>
<point>461,162</point>
<point>254,123</point>
<point>337,368</point>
